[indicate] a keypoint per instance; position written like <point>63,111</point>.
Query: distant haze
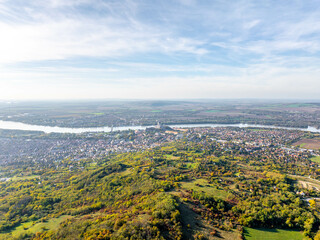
<point>161,49</point>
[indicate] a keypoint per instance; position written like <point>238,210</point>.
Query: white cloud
<point>70,38</point>
<point>252,51</point>
<point>251,24</point>
<point>45,37</point>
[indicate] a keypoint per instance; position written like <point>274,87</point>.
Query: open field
<point>171,157</point>
<point>308,143</point>
<point>258,129</point>
<point>202,185</point>
<point>32,227</point>
<point>315,159</point>
<point>272,234</point>
<point>16,178</point>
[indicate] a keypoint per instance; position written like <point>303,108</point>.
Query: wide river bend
<point>48,129</point>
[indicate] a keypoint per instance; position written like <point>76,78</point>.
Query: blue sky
<point>89,49</point>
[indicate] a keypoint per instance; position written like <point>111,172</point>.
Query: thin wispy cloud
<point>231,49</point>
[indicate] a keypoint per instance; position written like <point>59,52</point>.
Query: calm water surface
<point>47,129</point>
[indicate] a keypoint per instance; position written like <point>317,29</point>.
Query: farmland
<point>272,234</point>
<point>127,113</point>
<point>309,143</point>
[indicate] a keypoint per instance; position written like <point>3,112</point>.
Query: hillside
<point>180,190</point>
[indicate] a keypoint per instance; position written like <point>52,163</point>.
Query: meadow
<point>271,234</point>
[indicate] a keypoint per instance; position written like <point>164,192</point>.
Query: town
<point>51,149</point>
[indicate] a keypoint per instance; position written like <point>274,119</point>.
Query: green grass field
<point>171,157</point>
<point>302,145</point>
<point>258,130</point>
<point>203,185</point>
<point>31,227</point>
<point>315,159</point>
<point>271,234</point>
<point>15,178</point>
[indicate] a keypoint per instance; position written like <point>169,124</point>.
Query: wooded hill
<point>180,190</point>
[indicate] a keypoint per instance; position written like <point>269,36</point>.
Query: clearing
<point>271,234</point>
<point>202,185</point>
<point>308,143</point>
<point>315,159</point>
<point>18,178</point>
<point>34,227</point>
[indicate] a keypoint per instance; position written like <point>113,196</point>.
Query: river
<point>48,129</point>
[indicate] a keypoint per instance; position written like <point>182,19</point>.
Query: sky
<point>159,49</point>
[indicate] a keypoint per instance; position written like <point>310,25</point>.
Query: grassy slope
<point>315,159</point>
<point>16,178</point>
<point>28,227</point>
<point>272,234</point>
<point>203,185</point>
